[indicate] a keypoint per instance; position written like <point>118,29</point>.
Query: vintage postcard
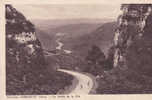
<point>81,50</point>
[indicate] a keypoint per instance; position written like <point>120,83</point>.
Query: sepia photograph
<point>63,49</point>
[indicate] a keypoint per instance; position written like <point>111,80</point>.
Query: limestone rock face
<point>132,72</point>
<point>24,55</point>
<point>133,38</point>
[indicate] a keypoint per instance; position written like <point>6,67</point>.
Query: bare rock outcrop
<point>27,70</point>
<point>133,46</point>
<point>132,65</point>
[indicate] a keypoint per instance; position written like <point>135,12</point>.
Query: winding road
<point>85,83</point>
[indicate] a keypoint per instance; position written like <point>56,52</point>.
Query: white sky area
<point>69,11</point>
<point>65,9</point>
<point>77,1</point>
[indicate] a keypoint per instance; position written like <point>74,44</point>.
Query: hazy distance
<point>69,11</point>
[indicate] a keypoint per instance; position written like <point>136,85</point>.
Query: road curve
<point>85,83</point>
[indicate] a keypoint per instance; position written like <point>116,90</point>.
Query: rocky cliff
<point>133,38</point>
<point>24,56</point>
<point>132,72</point>
<point>26,68</point>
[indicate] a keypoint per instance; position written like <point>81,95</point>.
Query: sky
<point>69,11</point>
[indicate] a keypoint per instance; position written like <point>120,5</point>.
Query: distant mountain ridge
<point>76,30</point>
<point>102,36</point>
<point>47,24</point>
<point>71,30</point>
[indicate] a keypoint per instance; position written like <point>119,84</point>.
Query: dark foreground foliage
<point>26,67</point>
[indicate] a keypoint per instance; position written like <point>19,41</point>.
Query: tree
<point>109,61</point>
<point>95,60</point>
<point>95,55</point>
